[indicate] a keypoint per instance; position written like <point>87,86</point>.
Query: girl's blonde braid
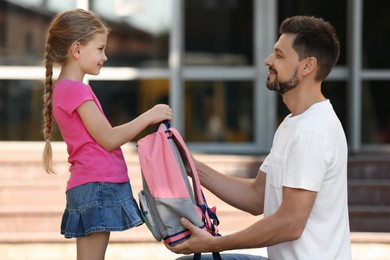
<point>48,113</point>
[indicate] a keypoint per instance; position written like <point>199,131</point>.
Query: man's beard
<point>283,87</point>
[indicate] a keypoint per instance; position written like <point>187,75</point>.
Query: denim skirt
<point>99,207</point>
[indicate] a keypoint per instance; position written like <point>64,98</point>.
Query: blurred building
<point>205,58</point>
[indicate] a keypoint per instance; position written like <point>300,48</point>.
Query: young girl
<point>99,196</point>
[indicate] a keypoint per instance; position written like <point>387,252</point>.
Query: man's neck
<point>301,98</point>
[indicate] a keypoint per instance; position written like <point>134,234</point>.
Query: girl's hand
<point>159,113</point>
<point>110,137</point>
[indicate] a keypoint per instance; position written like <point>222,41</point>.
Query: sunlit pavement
<point>152,251</point>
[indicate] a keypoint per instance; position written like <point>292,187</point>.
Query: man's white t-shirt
<point>310,152</point>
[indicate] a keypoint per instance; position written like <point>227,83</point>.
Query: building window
<point>376,30</point>
<point>218,32</point>
<point>219,111</point>
<point>140,32</point>
<point>20,110</point>
<point>123,101</point>
<point>375,112</point>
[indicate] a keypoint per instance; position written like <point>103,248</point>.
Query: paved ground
<point>150,251</point>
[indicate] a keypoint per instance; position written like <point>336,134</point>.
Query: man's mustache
<point>272,69</point>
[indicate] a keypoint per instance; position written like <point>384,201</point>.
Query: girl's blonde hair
<point>71,26</point>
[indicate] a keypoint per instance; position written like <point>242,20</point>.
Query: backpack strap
<point>216,256</point>
<point>209,216</point>
<point>175,135</point>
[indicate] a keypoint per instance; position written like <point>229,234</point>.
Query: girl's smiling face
<point>92,55</point>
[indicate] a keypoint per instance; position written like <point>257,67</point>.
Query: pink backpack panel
<point>167,193</point>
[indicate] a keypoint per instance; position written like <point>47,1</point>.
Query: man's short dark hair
<point>314,38</point>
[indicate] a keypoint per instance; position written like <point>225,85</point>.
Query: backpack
<point>167,193</point>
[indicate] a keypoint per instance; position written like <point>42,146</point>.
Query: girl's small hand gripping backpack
<point>167,194</point>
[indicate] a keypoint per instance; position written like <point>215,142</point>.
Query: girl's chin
<point>95,73</point>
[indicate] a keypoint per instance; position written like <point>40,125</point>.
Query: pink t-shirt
<point>89,162</point>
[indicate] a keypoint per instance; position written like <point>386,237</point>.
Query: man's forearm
<point>244,194</point>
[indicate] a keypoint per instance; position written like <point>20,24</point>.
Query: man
<point>301,187</point>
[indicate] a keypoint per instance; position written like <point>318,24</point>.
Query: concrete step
<point>369,166</point>
<point>369,192</point>
<point>42,223</point>
<point>38,193</point>
<point>31,211</point>
<point>32,202</point>
<point>369,218</point>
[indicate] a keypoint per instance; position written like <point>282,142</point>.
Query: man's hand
<point>199,242</point>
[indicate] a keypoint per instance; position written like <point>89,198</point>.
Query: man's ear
<point>309,66</point>
<point>75,50</point>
